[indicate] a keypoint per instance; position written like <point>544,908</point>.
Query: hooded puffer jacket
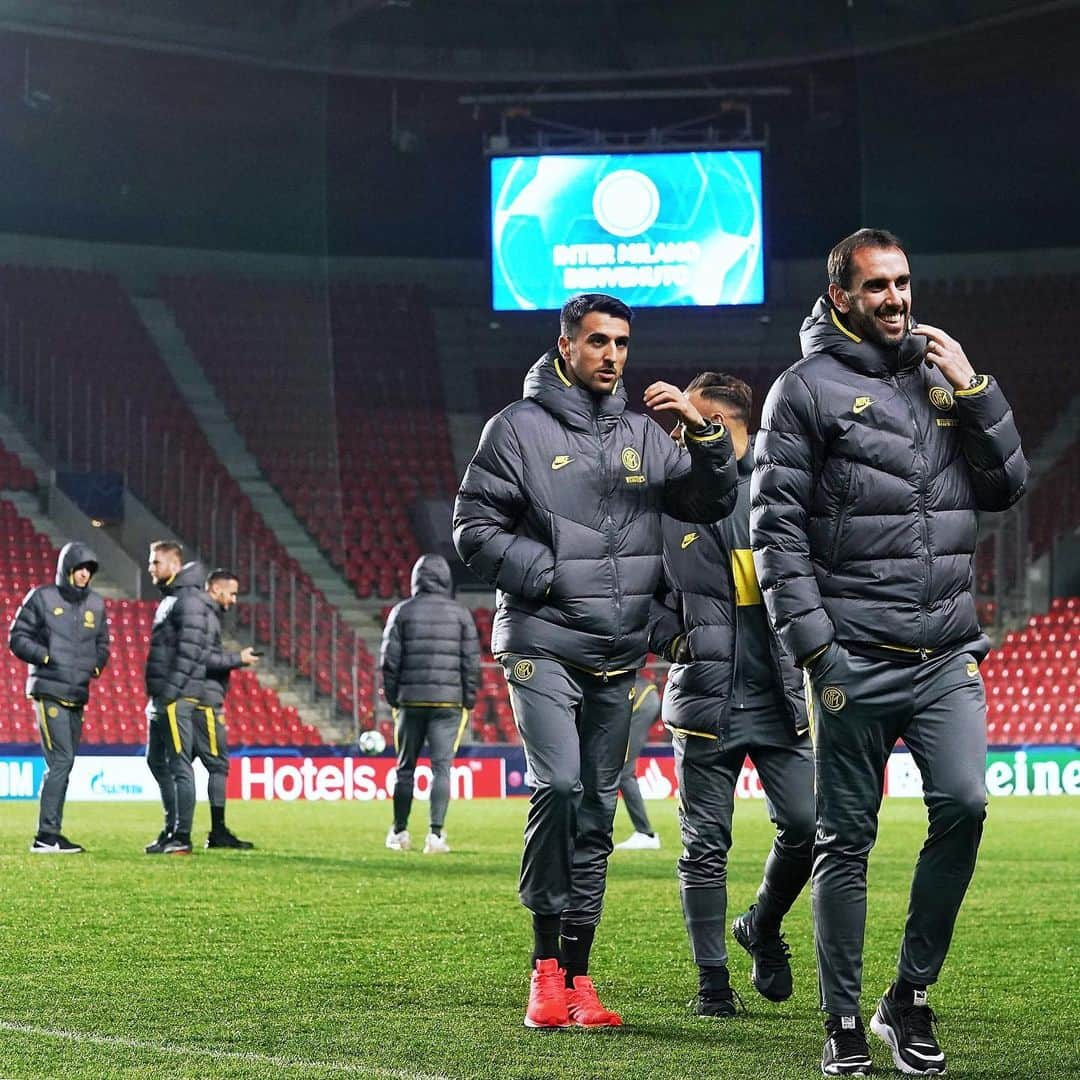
<point>62,632</point>
<point>870,471</point>
<point>696,626</point>
<point>430,650</point>
<point>560,509</point>
<point>179,639</point>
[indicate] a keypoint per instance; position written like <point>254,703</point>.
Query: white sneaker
<point>436,845</point>
<point>398,841</point>
<point>639,841</point>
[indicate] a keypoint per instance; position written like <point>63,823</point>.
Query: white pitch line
<point>249,1056</point>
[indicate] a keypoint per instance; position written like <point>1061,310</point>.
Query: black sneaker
<point>53,844</point>
<point>907,1028</point>
<point>771,973</point>
<point>846,1052</point>
<point>157,847</point>
<point>180,844</point>
<point>717,1004</point>
<point>223,838</point>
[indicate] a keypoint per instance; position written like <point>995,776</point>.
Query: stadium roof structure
<point>514,41</point>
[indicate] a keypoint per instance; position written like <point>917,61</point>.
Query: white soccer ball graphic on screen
<point>372,742</point>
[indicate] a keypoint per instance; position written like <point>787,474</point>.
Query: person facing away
<point>560,509</point>
<point>62,631</point>
<point>430,663</point>
<point>876,453</point>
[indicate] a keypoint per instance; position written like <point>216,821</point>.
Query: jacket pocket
<point>841,516</point>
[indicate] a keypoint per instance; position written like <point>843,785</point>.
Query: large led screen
<point>656,230</point>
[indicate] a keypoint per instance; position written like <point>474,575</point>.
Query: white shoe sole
<point>888,1037</point>
<point>55,851</point>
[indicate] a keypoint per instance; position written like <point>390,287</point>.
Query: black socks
<point>545,937</point>
<point>713,980</point>
<point>577,939</point>
<point>217,819</point>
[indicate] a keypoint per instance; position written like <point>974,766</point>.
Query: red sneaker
<point>547,996</point>
<point>584,1006</point>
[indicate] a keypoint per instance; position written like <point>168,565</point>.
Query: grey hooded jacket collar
<point>547,383</point>
<point>823,330</point>
<point>71,557</point>
<point>431,574</point>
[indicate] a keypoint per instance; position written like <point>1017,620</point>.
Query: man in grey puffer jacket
<point>430,662</point>
<point>876,452</point>
<point>561,509</point>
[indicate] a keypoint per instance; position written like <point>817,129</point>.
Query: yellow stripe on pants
<point>808,694</point>
<point>211,729</point>
<point>44,725</point>
<point>461,728</point>
<point>174,727</point>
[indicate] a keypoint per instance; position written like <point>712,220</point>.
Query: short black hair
<point>577,307</point>
<point>732,391</point>
<point>221,574</point>
<point>840,258</point>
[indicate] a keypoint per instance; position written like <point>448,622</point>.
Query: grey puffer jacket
<point>870,471</point>
<point>220,664</point>
<point>430,653</point>
<point>561,509</point>
<point>179,639</point>
<point>696,625</point>
<point>62,632</point>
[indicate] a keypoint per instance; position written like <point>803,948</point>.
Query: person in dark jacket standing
<point>732,692</point>
<point>175,670</point>
<point>62,632</point>
<point>876,453</point>
<point>643,714</point>
<point>430,663</point>
<point>560,509</point>
<point>210,738</point>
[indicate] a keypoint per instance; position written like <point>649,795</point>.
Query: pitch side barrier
<point>329,774</point>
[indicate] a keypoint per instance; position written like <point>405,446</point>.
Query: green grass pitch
<point>321,954</point>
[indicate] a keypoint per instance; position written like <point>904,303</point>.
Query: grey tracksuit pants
<point>708,772</point>
<point>859,708</point>
<point>212,749</point>
<point>60,728</point>
<point>640,722</point>
<point>575,727</point>
<point>441,728</point>
<point>169,746</point>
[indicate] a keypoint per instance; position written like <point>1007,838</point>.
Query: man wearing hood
<point>732,692</point>
<point>561,510</point>
<point>876,452</point>
<point>62,632</point>
<point>430,663</point>
<point>211,746</point>
<point>175,671</point>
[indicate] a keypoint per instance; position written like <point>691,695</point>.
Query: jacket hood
<point>191,575</point>
<point>823,332</point>
<point>71,557</point>
<point>547,384</point>
<point>431,574</point>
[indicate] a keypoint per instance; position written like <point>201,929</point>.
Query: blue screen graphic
<point>656,230</point>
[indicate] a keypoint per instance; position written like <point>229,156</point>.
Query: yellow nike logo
<point>861,405</point>
<point>687,540</point>
<point>561,462</point>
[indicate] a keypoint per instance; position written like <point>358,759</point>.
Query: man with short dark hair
<point>430,664</point>
<point>62,632</point>
<point>732,692</point>
<point>211,746</point>
<point>561,509</point>
<point>876,452</point>
<point>175,670</point>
